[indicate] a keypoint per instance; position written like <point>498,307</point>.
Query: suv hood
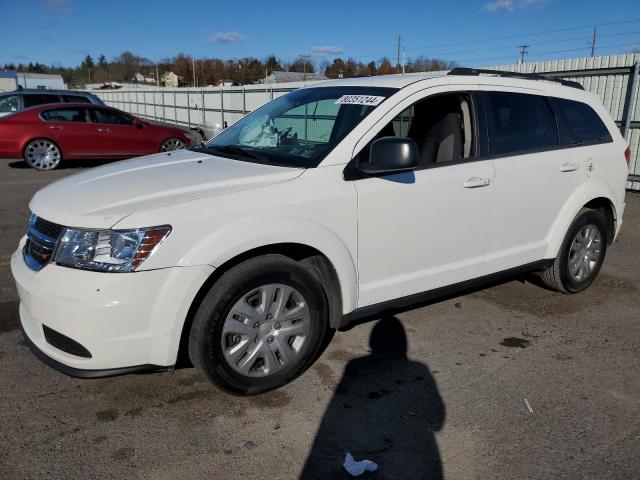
<point>102,196</point>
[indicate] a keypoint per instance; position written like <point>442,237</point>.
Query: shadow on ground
<point>386,408</point>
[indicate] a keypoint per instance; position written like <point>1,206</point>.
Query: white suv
<point>329,204</point>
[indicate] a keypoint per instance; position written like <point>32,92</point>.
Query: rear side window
<point>109,116</point>
<point>10,103</point>
<point>76,115</point>
<point>519,123</point>
<point>578,123</point>
<point>33,99</point>
<point>75,99</point>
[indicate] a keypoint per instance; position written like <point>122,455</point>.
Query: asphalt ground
<point>511,381</point>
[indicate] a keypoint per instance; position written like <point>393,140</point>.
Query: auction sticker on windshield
<point>371,100</point>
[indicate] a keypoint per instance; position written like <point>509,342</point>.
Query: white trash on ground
<point>358,468</point>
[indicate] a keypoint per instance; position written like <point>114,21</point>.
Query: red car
<point>47,134</point>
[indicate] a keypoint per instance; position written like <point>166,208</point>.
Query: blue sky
<point>471,32</point>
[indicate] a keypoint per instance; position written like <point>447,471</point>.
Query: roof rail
<point>501,73</point>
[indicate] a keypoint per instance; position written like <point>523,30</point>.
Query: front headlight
<point>108,250</point>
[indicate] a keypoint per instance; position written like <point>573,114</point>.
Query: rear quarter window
<point>75,99</point>
<point>578,123</point>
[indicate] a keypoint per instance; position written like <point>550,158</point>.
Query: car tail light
<point>627,155</point>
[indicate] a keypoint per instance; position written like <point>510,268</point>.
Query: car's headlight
<point>108,250</point>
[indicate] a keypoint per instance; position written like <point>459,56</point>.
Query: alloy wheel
<point>42,154</point>
<point>171,145</point>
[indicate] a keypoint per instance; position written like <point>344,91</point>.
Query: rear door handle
<point>55,127</point>
<point>104,130</point>
<point>568,167</point>
<point>475,182</point>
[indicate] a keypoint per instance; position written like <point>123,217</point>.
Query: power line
<point>505,37</point>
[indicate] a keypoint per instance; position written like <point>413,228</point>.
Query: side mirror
<point>391,154</point>
<point>139,125</point>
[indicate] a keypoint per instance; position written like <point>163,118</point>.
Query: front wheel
<point>171,145</point>
<point>260,326</point>
<point>581,254</point>
<point>42,154</point>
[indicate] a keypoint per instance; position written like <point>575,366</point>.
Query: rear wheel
<point>581,254</point>
<point>260,326</point>
<point>42,154</point>
<point>171,144</point>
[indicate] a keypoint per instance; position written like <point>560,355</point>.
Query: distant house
<point>172,80</point>
<point>10,80</point>
<point>140,78</point>
<point>282,77</point>
<point>226,83</point>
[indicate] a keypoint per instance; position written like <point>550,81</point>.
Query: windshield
<point>298,129</point>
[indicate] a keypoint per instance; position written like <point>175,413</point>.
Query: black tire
<point>205,339</point>
<point>557,276</point>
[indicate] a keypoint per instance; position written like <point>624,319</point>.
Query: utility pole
<point>157,77</point>
<point>593,42</point>
<point>398,59</point>
<point>523,51</point>
<point>305,59</point>
<point>404,60</point>
<point>193,66</point>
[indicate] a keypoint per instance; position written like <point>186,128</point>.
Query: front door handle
<point>55,127</point>
<point>568,167</point>
<point>475,182</point>
<point>104,130</point>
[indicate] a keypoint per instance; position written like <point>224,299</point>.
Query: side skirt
<point>396,305</point>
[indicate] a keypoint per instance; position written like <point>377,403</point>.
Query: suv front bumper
<point>128,322</point>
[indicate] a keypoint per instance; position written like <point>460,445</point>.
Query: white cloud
<point>511,5</point>
<point>326,50</point>
<point>56,5</point>
<point>226,37</point>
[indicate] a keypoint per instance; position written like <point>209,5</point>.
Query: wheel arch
<point>309,257</point>
<point>580,199</point>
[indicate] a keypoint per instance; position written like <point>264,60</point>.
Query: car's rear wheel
<point>171,145</point>
<point>42,154</point>
<point>260,326</point>
<point>581,254</point>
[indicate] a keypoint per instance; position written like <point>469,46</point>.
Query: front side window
<point>33,99</point>
<point>578,123</point>
<point>519,123</point>
<point>10,103</point>
<point>99,115</point>
<point>298,129</point>
<point>441,125</point>
<point>75,115</point>
<point>75,99</point>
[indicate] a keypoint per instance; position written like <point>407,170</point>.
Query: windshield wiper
<point>235,150</point>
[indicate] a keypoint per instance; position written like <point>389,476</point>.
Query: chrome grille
<point>42,237</point>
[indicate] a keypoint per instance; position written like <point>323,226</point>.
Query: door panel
<point>534,179</point>
<point>119,136</point>
<point>422,230</point>
<point>530,191</point>
<point>69,128</point>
